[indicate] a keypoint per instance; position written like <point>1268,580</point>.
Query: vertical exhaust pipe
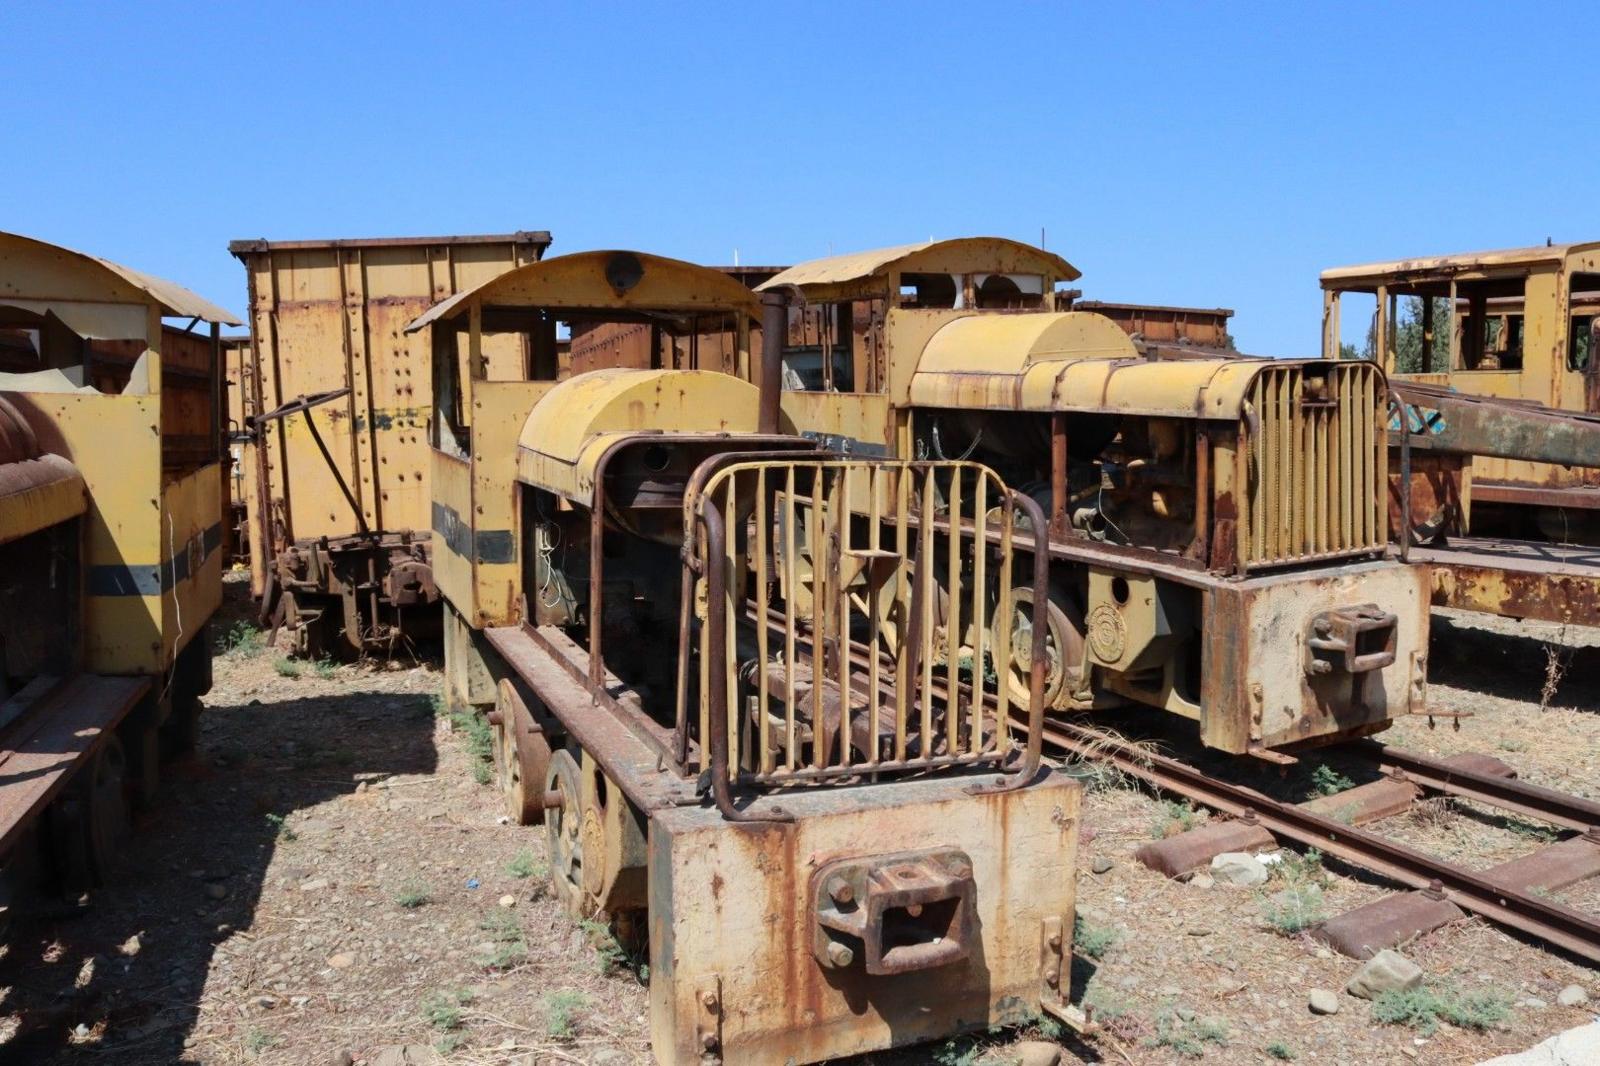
<point>774,329</point>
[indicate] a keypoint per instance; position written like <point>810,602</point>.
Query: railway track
<point>1508,895</point>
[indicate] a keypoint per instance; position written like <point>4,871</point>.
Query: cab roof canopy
<point>86,292</point>
<point>612,285</point>
<point>1367,276</point>
<point>872,273</point>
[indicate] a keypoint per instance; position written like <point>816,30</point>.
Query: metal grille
<point>879,600</point>
<point>1317,455</point>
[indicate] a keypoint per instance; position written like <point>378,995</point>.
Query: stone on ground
<point>1238,868</point>
<point>1101,864</point>
<point>1572,996</point>
<point>1037,1053</point>
<point>1387,971</point>
<point>1575,1047</point>
<point>1321,1001</point>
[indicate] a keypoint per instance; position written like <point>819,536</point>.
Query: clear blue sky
<point>1191,153</point>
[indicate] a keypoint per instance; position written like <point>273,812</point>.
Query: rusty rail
<point>1506,793</point>
<point>1505,905</point>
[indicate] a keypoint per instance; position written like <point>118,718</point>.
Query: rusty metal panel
<point>327,315</point>
<point>1205,327</point>
<point>736,973</point>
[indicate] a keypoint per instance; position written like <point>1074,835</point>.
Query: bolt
<point>840,892</point>
<point>914,909</point>
<point>1055,941</point>
<point>709,1000</point>
<point>709,1041</point>
<point>1052,977</point>
<point>840,955</point>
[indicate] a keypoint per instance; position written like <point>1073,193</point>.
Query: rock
<point>1238,868</point>
<point>342,961</point>
<point>1387,971</point>
<point>1101,864</point>
<point>1029,1053</point>
<point>1580,1045</point>
<point>1533,1003</point>
<point>343,1058</point>
<point>508,901</point>
<point>315,884</point>
<point>216,891</point>
<point>266,1002</point>
<point>131,946</point>
<point>1572,996</point>
<point>1203,880</point>
<point>1321,1001</point>
<point>1324,953</point>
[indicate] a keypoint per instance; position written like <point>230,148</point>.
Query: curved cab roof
<point>867,273</point>
<point>35,270</point>
<point>612,279</point>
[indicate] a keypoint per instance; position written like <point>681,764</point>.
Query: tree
<point>1407,334</point>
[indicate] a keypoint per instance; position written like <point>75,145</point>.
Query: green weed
<point>413,894</point>
<point>1326,781</point>
<point>444,1009</point>
<point>559,1008</point>
<point>1424,1007</point>
<point>1294,909</point>
<point>242,639</point>
<point>258,1040</point>
<point>326,668</point>
<point>281,826</point>
<point>1280,1051</point>
<point>1092,940</point>
<point>1187,1035</point>
<point>1174,818</point>
<point>525,865</point>
<point>286,667</point>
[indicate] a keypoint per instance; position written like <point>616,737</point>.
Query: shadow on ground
<point>81,987</point>
<point>1513,665</point>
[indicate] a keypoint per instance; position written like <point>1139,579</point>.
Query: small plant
<point>286,667</point>
<point>1092,940</point>
<point>441,709</point>
<point>1293,910</point>
<point>1174,818</point>
<point>559,1008</point>
<point>959,1051</point>
<point>506,956</point>
<point>510,950</point>
<point>444,1009</point>
<point>1113,1013</point>
<point>326,668</point>
<point>242,639</point>
<point>1512,744</point>
<point>1296,869</point>
<point>524,866</point>
<point>479,743</point>
<point>1556,661</point>
<point>1187,1034</point>
<point>1424,1007</point>
<point>1280,1051</point>
<point>281,826</point>
<point>448,1042</point>
<point>610,953</point>
<point>258,1040</point>
<point>413,894</point>
<point>1543,834</point>
<point>1326,781</point>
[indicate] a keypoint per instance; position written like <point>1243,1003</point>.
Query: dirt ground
<point>328,881</point>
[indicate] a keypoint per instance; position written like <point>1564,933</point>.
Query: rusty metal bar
<point>1556,923</point>
<point>1507,793</point>
<point>361,519</point>
<point>717,642</point>
<point>774,331</point>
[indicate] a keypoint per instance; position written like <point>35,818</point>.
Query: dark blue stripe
<point>118,579</point>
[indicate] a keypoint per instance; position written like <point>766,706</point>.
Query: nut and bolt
<point>708,1000</point>
<point>840,955</point>
<point>1055,941</point>
<point>840,892</point>
<point>709,1041</point>
<point>1052,976</point>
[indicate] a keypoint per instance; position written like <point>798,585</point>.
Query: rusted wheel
<point>1063,644</point>
<point>563,827</point>
<point>521,757</point>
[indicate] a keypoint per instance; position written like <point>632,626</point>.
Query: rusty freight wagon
<point>825,834</point>
<point>1216,523</point>
<point>110,527</point>
<point>340,514</point>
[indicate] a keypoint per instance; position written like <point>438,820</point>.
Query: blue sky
<point>1195,153</point>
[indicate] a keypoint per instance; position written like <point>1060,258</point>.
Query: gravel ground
<point>327,881</point>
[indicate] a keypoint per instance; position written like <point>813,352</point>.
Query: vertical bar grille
<point>884,645</point>
<point>1317,464</point>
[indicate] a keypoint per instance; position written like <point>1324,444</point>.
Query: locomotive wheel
<point>1063,644</point>
<point>521,757</point>
<point>107,798</point>
<point>563,826</point>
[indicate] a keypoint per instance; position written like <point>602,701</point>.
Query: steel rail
<point>1562,926</point>
<point>1506,793</point>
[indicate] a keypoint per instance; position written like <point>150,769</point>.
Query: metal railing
<point>838,555</point>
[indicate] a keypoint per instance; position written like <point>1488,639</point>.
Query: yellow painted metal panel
<point>501,409</point>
